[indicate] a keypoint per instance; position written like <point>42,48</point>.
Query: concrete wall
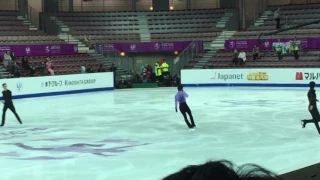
<point>36,4</point>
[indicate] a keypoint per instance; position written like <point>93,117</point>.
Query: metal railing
<point>120,60</point>
<point>95,36</point>
<point>12,5</point>
<point>299,33</point>
<point>33,16</point>
<point>187,55</point>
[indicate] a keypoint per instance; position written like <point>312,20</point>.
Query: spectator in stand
<point>43,68</point>
<point>89,69</point>
<point>144,75</point>
<point>49,66</point>
<point>255,52</point>
<point>148,76</point>
<point>87,42</point>
<point>101,68</point>
<point>83,68</point>
<point>277,17</point>
<point>235,57</point>
<point>138,78</point>
<point>149,68</point>
<point>14,69</point>
<point>279,50</point>
<point>6,59</point>
<point>25,63</point>
<point>142,68</point>
<point>223,170</point>
<point>13,56</point>
<point>32,71</point>
<point>295,47</point>
<point>123,83</point>
<point>176,80</point>
<point>242,58</point>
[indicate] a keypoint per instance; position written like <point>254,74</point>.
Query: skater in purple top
<point>184,108</point>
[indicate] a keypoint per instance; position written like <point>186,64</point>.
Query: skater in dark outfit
<point>312,107</point>
<point>184,108</point>
<point>8,104</point>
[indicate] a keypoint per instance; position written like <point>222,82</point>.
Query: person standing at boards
<point>8,104</point>
<point>184,108</point>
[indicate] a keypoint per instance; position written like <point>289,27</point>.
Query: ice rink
<point>137,135</point>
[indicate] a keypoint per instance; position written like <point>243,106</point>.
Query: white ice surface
<point>137,135</point>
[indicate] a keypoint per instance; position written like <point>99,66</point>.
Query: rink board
<point>59,85</point>
<point>269,77</point>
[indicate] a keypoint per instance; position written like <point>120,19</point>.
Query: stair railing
<point>33,16</point>
<point>118,58</point>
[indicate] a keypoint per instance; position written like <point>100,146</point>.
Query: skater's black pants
<point>278,23</point>
<point>184,109</point>
<point>9,105</point>
<point>315,117</point>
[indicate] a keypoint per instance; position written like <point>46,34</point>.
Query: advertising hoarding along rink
<point>273,77</point>
<point>59,85</point>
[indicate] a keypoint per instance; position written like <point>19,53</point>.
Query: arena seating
<point>292,15</point>
<point>125,26</point>
<point>14,31</point>
<point>296,14</point>
<point>68,64</point>
<point>101,27</point>
<point>177,25</point>
<point>268,59</point>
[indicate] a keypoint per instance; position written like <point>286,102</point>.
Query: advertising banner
<point>40,50</point>
<point>140,47</point>
<point>58,85</point>
<point>251,77</point>
<point>247,44</point>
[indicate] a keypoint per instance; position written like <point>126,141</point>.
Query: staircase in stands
<point>67,37</point>
<point>145,35</point>
<point>215,45</point>
<point>262,18</point>
<point>82,48</point>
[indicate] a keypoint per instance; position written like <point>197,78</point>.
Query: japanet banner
<point>40,50</point>
<point>267,44</point>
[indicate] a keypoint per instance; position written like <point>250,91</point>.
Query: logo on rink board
<point>19,86</point>
<point>67,83</point>
<point>225,77</point>
<point>258,76</point>
<point>307,76</point>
